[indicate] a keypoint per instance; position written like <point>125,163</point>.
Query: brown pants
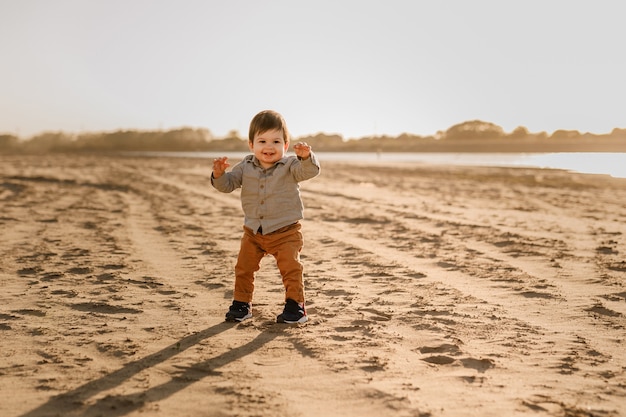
<point>285,245</point>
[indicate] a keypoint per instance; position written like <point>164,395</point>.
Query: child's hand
<point>302,150</point>
<point>219,166</point>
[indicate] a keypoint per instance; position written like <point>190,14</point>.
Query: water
<point>608,163</point>
<point>613,164</point>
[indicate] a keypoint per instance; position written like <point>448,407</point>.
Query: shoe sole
<point>301,320</point>
<point>238,320</point>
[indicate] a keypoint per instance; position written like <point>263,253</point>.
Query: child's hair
<point>268,120</point>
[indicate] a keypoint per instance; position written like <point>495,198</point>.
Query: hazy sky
<point>355,68</point>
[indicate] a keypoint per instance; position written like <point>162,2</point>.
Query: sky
<point>351,67</point>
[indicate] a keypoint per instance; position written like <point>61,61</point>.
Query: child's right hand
<point>219,166</point>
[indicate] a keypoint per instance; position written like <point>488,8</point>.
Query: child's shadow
<point>72,402</point>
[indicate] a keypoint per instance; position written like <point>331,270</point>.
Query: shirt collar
<point>256,162</point>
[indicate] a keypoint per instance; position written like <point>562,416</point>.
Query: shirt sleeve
<point>229,181</point>
<point>305,169</point>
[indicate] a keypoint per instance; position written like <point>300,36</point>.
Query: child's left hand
<point>302,150</point>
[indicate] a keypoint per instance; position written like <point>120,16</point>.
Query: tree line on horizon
<point>469,136</point>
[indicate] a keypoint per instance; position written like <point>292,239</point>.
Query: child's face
<point>269,147</point>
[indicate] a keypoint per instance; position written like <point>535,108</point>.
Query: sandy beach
<point>431,291</point>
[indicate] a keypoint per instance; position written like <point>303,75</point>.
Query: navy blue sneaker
<point>292,313</point>
<point>239,311</point>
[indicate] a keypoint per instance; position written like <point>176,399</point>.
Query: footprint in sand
<point>29,271</point>
<point>443,351</point>
<point>79,270</point>
<point>30,312</point>
<point>104,308</point>
<point>439,360</point>
<point>444,348</point>
<point>51,276</point>
<point>481,365</point>
<point>446,352</point>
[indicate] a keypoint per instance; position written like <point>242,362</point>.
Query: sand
<point>432,291</point>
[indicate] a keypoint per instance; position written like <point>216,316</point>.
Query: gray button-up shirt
<point>270,197</point>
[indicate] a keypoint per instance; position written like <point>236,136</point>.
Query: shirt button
<point>262,201</point>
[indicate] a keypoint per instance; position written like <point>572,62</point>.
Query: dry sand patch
<point>432,291</point>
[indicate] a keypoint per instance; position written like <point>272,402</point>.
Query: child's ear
<point>251,146</point>
<point>286,146</point>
